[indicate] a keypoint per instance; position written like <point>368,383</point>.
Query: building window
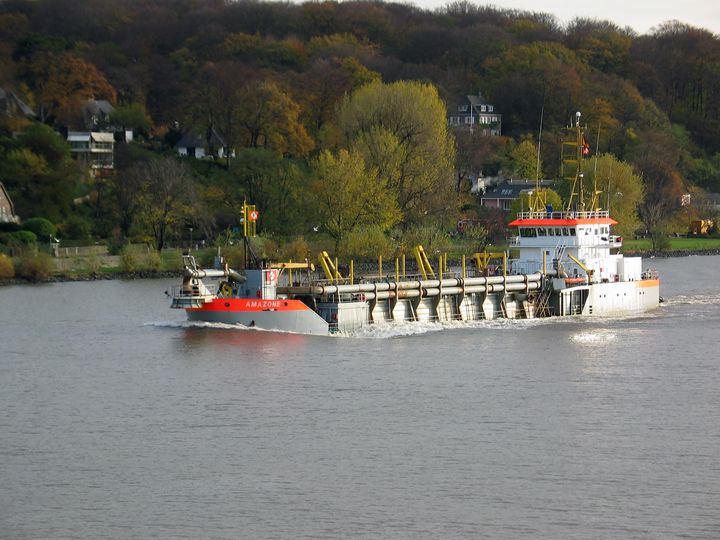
<point>490,108</point>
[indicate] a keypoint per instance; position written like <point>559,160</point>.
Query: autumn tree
<point>166,197</point>
<point>350,195</point>
<point>400,129</point>
<point>323,86</point>
<point>62,82</point>
<point>269,118</point>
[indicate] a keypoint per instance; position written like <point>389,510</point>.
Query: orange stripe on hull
<point>251,305</point>
<point>647,283</point>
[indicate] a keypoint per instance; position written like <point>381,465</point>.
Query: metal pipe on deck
<point>430,287</point>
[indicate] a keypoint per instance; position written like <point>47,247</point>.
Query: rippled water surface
<point>120,420</point>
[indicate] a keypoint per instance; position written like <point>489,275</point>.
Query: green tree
<point>38,172</point>
<point>525,161</point>
<point>525,79</point>
<point>622,190</point>
<point>350,195</point>
<point>132,116</point>
<point>400,129</point>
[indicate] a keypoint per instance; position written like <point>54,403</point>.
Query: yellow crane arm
<point>294,266</point>
<point>328,267</point>
<point>588,271</point>
<point>423,262</point>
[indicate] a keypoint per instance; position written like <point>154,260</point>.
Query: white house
<point>93,148</point>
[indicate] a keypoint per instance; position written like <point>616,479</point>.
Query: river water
<point>120,420</point>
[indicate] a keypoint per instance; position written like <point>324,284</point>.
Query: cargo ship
<point>568,264</point>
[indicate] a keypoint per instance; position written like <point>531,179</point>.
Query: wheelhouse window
<point>528,232</point>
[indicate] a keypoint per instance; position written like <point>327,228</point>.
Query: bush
<point>136,259</point>
<point>34,266</point>
<point>93,263</point>
<point>7,269</point>
<point>368,243</point>
<point>234,256</point>
<point>298,250</point>
<point>152,261</point>
<point>128,259</point>
<point>18,238</point>
<point>116,243</point>
<point>42,228</point>
<point>432,239</point>
<point>264,247</point>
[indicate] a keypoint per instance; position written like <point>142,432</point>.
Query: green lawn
<point>679,244</point>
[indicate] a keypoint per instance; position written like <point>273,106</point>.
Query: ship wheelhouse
<point>577,241</point>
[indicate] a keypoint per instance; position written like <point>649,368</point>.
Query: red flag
<point>585,147</point>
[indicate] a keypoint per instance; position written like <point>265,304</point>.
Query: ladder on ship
<point>542,304</point>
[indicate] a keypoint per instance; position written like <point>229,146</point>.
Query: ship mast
<point>574,149</point>
<point>538,199</point>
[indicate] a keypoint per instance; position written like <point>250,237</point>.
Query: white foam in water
<point>408,328</point>
<point>694,299</point>
<point>403,329</point>
<point>594,336</point>
<point>203,324</point>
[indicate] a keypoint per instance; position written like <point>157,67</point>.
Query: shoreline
<point>161,274</point>
<point>97,276</point>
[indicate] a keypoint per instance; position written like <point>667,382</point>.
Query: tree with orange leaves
<point>62,82</point>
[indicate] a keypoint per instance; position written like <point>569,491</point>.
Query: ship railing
<point>180,291</point>
<point>591,214</point>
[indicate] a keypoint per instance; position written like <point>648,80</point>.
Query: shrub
<point>41,227</point>
<point>34,266</point>
<point>431,238</point>
<point>7,269</point>
<point>152,261</point>
<point>128,259</point>
<point>18,238</point>
<point>92,264</point>
<point>116,244</point>
<point>368,243</point>
<point>136,259</point>
<point>264,247</point>
<point>234,256</point>
<point>298,250</point>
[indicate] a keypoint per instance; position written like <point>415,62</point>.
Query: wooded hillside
<point>275,79</point>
